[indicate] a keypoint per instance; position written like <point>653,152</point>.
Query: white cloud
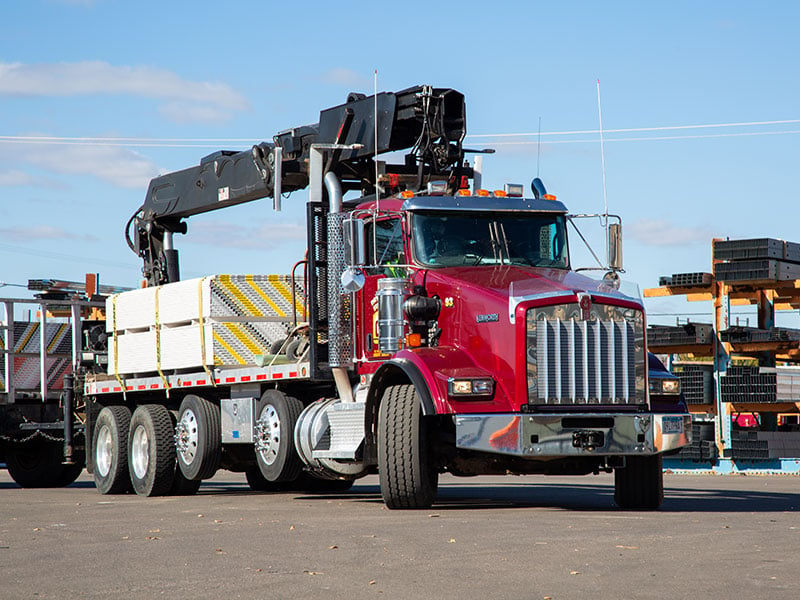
<point>40,232</point>
<point>345,77</point>
<point>660,232</point>
<point>14,178</point>
<point>116,165</point>
<point>264,236</point>
<point>203,99</point>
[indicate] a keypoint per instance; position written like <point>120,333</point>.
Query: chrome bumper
<point>550,435</point>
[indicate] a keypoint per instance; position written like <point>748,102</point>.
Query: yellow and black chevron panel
<point>238,343</point>
<point>26,338</point>
<point>262,296</point>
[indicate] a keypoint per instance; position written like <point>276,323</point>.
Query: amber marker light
<point>500,193</point>
<point>482,193</point>
<point>464,193</point>
<point>548,197</point>
<point>407,194</point>
<point>413,340</point>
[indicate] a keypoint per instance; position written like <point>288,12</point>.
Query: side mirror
<point>615,246</point>
<point>355,247</point>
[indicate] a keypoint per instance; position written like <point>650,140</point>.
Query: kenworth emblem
<point>585,302</point>
<point>490,318</point>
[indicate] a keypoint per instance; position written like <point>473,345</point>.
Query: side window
<point>385,242</point>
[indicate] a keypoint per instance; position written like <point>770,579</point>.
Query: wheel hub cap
<point>186,436</point>
<point>105,451</point>
<point>268,434</point>
<point>140,452</point>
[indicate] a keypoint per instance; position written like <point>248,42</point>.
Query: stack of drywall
<point>217,320</point>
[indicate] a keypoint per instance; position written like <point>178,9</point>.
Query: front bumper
<point>559,435</point>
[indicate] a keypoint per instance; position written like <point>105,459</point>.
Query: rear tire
<point>407,475</point>
<point>182,486</point>
<point>151,451</point>
<point>37,464</point>
<point>198,438</point>
<point>258,482</point>
<point>276,455</point>
<point>640,484</point>
<point>110,447</point>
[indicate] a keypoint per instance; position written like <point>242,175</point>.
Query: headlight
<point>668,387</point>
<point>470,387</point>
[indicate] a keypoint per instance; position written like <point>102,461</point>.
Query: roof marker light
<point>437,188</point>
<point>483,193</point>
<point>464,193</point>
<point>499,194</point>
<point>514,190</point>
<point>548,197</point>
<point>406,194</point>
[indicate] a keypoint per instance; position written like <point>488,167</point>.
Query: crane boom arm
<point>429,122</point>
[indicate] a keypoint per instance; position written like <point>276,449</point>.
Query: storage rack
<point>763,272</point>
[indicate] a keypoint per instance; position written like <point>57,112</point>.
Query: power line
<point>640,129</point>
<point>62,256</point>
<point>148,142</point>
<point>651,138</point>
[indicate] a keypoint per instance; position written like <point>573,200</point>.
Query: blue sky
<point>236,73</point>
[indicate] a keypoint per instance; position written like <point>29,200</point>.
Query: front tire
<point>110,447</point>
<point>407,475</point>
<point>151,451</point>
<point>640,484</point>
<point>198,438</point>
<point>276,454</point>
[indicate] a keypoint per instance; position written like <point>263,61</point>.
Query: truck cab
<point>524,365</point>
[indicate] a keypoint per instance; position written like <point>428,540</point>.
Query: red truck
<point>433,327</point>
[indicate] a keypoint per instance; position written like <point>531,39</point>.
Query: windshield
<point>452,239</point>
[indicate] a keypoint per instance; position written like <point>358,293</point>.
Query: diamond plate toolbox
<point>220,320</point>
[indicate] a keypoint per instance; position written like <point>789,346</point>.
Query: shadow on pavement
<point>475,495</point>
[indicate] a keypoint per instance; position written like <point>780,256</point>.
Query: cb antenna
<point>375,160</point>
<point>602,162</point>
<point>539,147</point>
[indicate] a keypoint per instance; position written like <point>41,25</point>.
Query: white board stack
<point>217,320</point>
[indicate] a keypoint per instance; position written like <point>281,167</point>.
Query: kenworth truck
<point>432,327</point>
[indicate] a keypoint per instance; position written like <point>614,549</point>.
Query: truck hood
<point>505,281</point>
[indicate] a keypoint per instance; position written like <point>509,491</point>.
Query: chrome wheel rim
<point>268,435</point>
<point>104,454</point>
<point>140,452</point>
<point>186,436</point>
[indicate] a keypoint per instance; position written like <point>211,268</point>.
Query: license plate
<point>672,425</point>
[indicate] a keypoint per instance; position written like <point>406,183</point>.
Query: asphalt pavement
<point>486,537</point>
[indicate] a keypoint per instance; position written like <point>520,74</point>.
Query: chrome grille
<point>575,361</point>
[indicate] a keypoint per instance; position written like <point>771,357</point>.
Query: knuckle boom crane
<point>429,122</point>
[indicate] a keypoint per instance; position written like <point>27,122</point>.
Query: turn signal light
<point>413,340</point>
